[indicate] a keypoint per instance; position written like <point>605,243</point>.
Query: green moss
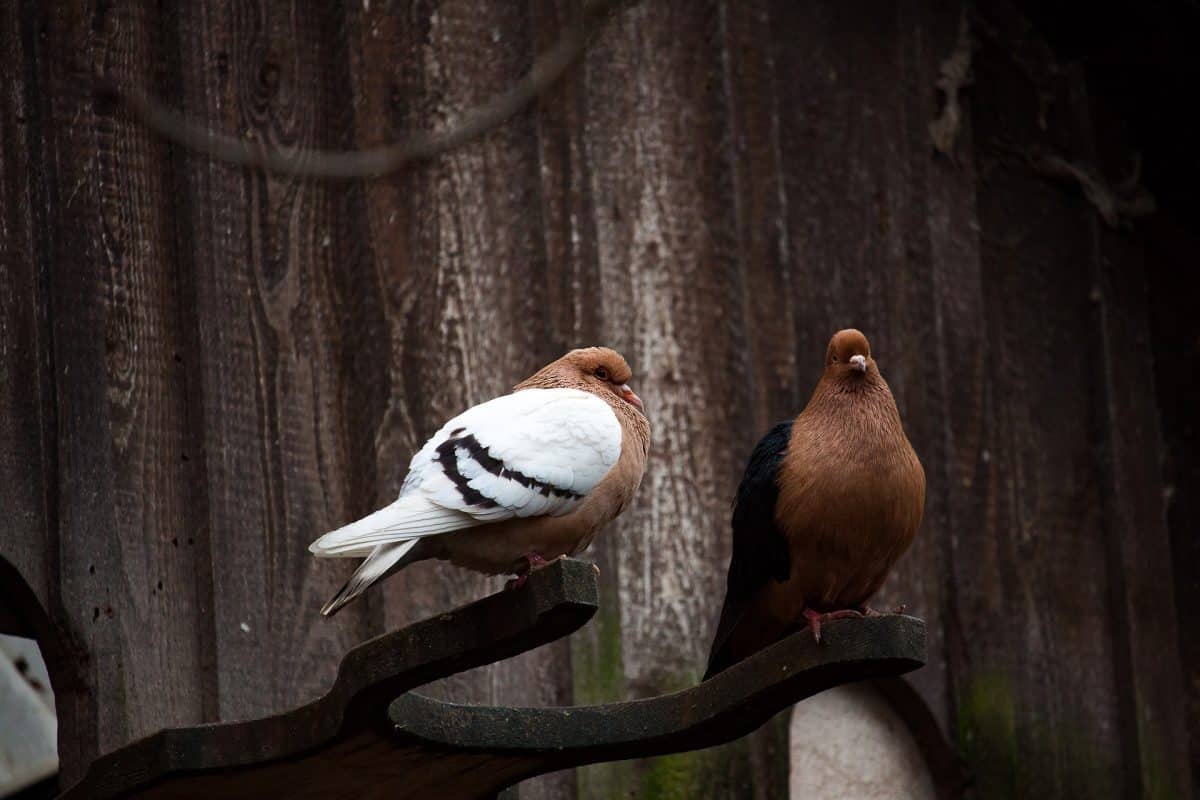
<point>675,777</point>
<point>597,671</point>
<point>987,734</point>
<point>1159,781</point>
<point>1016,751</point>
<point>597,674</point>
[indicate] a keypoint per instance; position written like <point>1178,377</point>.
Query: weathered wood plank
<point>660,182</point>
<point>777,382</point>
<point>669,271</point>
<point>126,502</point>
<point>337,747</point>
<point>574,297</point>
<point>779,377</point>
<point>1170,247</point>
<point>1030,564</point>
<point>955,373</point>
<point>277,261</point>
<point>236,363</point>
<point>1146,630</point>
<point>331,747</point>
<point>720,709</point>
<point>941,308</point>
<point>460,266</point>
<point>26,389</point>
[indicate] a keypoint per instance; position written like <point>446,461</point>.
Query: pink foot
<point>815,618</point>
<point>535,561</point>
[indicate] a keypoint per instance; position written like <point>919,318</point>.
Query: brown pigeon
<point>513,482</point>
<point>827,504</point>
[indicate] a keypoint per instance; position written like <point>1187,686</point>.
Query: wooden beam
<point>556,601</point>
<point>367,736</point>
<point>726,707</point>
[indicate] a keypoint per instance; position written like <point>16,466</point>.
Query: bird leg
<point>535,561</point>
<point>815,618</point>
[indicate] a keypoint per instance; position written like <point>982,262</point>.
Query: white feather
<point>378,562</point>
<point>544,449</point>
<point>410,517</point>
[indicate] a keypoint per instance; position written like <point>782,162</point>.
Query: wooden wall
<point>203,367</point>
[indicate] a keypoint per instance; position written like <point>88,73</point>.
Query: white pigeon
<point>511,483</point>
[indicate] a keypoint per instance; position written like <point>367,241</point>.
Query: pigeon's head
<point>600,369</point>
<point>849,355</point>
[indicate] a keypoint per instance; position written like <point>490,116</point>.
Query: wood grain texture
<point>575,299</point>
<point>125,494</point>
<point>720,709</point>
<point>275,325</point>
<point>26,389</point>
<point>663,210</point>
<point>204,368</point>
<point>1032,570</point>
<point>955,383</point>
<point>1145,619</point>
<point>1171,245</point>
<point>660,182</point>
<point>339,744</point>
<point>460,269</point>
<point>353,743</point>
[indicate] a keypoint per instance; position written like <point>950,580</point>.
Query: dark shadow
<point>42,790</point>
<point>21,614</point>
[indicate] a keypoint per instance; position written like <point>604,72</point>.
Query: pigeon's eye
<point>602,373</point>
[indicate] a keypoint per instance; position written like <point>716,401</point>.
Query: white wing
<point>530,453</point>
<point>533,452</point>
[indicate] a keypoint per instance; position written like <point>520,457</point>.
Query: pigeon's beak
<point>629,397</point>
<point>859,363</point>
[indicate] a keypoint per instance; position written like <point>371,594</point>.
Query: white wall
<point>848,744</point>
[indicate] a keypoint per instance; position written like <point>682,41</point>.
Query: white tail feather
<point>376,565</point>
<point>407,519</point>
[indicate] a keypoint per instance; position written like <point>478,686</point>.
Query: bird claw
<point>533,561</point>
<point>815,618</point>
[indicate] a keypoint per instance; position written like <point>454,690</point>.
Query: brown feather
<point>851,498</point>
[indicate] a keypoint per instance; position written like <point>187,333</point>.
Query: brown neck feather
<point>860,407</point>
<point>551,376</point>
